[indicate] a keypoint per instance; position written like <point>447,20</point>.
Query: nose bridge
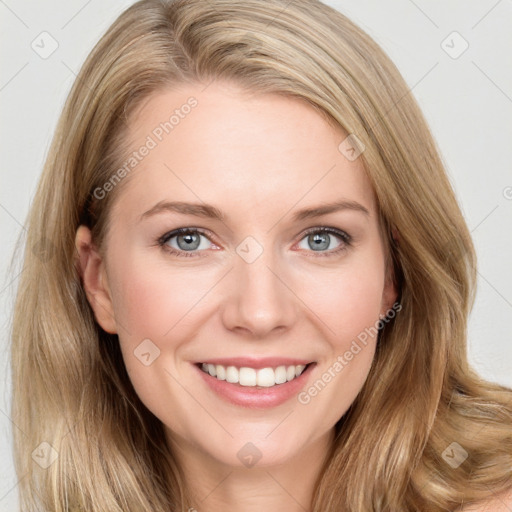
<point>259,301</point>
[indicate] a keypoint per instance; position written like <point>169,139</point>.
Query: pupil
<point>320,241</point>
<point>191,241</point>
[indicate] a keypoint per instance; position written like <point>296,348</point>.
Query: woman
<point>310,351</point>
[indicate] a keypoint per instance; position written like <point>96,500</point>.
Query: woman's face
<point>260,287</point>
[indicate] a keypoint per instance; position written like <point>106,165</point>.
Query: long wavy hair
<point>104,451</point>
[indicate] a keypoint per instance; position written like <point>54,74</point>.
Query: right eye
<point>183,241</point>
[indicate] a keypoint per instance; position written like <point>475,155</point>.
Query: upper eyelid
<point>176,232</point>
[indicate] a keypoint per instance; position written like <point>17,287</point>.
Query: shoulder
<point>499,503</point>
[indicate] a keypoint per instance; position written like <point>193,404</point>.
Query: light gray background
<point>467,101</point>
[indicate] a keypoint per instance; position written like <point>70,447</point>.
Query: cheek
<point>151,300</point>
<point>353,303</point>
<point>351,310</point>
<point>347,299</point>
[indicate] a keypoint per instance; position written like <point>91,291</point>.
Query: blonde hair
<point>70,386</point>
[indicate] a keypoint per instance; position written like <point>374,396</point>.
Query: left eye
<point>320,240</point>
<point>187,240</point>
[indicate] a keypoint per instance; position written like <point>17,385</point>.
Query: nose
<point>258,298</point>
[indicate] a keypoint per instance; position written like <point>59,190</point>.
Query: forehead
<point>246,151</point>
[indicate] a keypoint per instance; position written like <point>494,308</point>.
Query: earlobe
<point>92,270</point>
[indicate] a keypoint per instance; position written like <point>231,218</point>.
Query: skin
<point>259,159</point>
<point>498,503</point>
<point>501,503</point>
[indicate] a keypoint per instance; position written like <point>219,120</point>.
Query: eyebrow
<point>209,211</point>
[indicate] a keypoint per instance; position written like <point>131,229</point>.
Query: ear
<point>389,294</point>
<point>390,290</point>
<point>94,280</point>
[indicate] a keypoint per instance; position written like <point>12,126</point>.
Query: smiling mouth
<point>252,377</point>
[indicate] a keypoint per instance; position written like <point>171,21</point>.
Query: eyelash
<point>345,238</point>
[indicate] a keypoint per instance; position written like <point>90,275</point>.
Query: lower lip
<point>257,397</point>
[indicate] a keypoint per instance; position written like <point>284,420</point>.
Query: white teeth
<point>231,374</point>
<point>247,377</point>
<point>280,374</point>
<point>221,372</point>
<point>265,377</point>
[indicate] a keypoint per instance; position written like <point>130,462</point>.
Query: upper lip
<point>257,363</point>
